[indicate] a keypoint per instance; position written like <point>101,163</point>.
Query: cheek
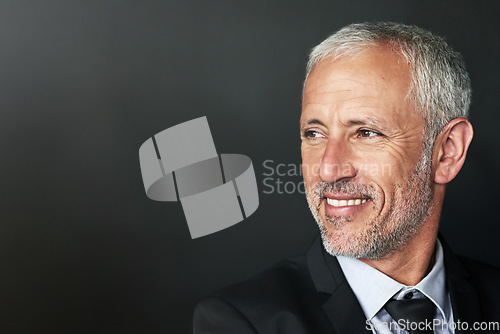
<point>385,166</point>
<point>382,170</point>
<point>311,162</point>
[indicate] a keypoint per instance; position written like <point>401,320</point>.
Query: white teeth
<point>351,202</point>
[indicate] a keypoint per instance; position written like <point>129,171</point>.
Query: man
<point>384,128</point>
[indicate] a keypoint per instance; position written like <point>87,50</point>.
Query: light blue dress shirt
<point>373,289</point>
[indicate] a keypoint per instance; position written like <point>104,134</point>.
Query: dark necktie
<point>412,312</point>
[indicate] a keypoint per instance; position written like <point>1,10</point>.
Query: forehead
<point>376,82</point>
<point>374,67</point>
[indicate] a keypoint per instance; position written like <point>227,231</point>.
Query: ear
<point>450,149</point>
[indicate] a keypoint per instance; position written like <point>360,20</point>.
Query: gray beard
<point>405,217</point>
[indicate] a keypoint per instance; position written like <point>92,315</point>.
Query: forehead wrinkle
<point>370,82</point>
<point>339,94</point>
<point>334,97</point>
<point>344,76</point>
<point>350,93</point>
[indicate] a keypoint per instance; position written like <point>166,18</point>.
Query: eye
<point>364,133</point>
<point>311,134</point>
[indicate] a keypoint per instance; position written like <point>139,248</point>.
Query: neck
<point>411,263</point>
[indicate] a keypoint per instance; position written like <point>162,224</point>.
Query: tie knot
<point>416,314</point>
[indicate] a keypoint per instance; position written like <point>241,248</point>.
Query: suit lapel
<point>341,306</point>
<point>464,297</point>
<point>343,309</point>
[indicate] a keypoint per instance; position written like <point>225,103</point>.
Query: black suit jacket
<point>310,294</point>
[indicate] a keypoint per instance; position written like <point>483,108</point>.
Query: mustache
<point>345,187</point>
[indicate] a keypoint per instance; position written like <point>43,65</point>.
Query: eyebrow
<point>367,120</point>
<point>315,121</point>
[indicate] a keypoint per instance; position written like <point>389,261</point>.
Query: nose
<point>336,163</point>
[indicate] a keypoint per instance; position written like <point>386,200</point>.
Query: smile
<point>343,202</point>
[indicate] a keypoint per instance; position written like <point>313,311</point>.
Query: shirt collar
<point>373,288</point>
<point>434,284</point>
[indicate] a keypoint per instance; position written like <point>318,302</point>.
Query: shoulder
<point>481,274</point>
<point>484,276</point>
<point>485,279</point>
<point>277,295</point>
<point>481,271</point>
<point>279,285</point>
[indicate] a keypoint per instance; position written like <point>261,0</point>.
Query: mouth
<point>345,202</point>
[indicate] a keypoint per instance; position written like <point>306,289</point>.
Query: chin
<point>372,242</point>
<point>344,244</point>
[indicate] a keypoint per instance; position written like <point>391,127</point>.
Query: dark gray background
<point>84,83</point>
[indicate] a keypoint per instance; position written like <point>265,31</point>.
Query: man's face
<point>367,182</point>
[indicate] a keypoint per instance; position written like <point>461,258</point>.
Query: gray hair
<point>440,85</point>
